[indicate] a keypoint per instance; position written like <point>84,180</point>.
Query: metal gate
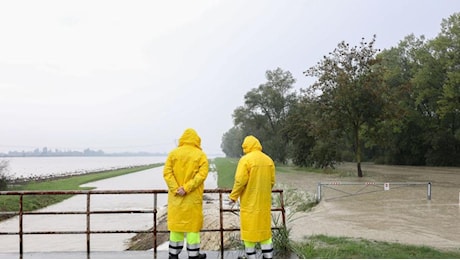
<point>365,187</point>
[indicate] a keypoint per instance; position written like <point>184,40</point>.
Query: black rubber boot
<point>199,256</point>
<point>173,256</point>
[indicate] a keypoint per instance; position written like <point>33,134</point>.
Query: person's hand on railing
<point>231,203</point>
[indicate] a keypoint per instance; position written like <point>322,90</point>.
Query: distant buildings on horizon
<point>45,152</point>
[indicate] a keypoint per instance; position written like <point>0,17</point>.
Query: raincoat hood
<point>190,137</point>
<point>250,144</point>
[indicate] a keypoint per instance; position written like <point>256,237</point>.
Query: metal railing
<point>89,212</point>
<point>381,186</point>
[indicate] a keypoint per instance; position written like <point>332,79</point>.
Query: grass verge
<point>11,203</point>
<point>321,246</point>
<point>225,168</point>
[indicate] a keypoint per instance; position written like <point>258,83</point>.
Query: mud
<point>402,214</point>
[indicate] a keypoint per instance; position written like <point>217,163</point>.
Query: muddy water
<point>148,179</point>
<point>401,214</point>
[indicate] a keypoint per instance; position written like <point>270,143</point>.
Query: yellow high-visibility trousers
<point>176,243</point>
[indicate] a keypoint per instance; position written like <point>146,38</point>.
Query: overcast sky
<point>132,75</point>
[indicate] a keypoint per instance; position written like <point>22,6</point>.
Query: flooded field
<point>402,214</point>
<point>27,167</point>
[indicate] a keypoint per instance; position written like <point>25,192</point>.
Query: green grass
<point>225,168</point>
<point>10,203</point>
<point>321,246</point>
<point>297,169</point>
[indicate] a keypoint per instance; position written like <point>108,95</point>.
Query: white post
<point>318,193</point>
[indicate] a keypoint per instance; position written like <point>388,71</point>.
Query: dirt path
<point>402,214</point>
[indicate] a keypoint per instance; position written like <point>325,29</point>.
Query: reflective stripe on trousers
<point>176,243</point>
<point>175,247</point>
<point>267,250</point>
<point>193,249</point>
<point>250,252</point>
<point>266,246</point>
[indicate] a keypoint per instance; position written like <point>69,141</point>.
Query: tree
<point>426,77</point>
<point>436,93</point>
<point>231,142</point>
<point>352,95</point>
<point>402,139</point>
<point>299,129</point>
<point>265,111</point>
<point>310,145</point>
<point>446,48</point>
<point>5,176</point>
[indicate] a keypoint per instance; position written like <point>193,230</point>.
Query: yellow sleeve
<point>168,175</point>
<point>241,180</point>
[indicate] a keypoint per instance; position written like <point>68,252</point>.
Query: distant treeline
<point>45,152</point>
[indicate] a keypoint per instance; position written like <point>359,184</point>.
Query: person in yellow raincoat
<point>185,171</point>
<point>254,180</point>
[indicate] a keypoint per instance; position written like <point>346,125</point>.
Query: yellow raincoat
<point>254,180</point>
<point>186,166</point>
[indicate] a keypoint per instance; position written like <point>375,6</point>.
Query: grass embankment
<point>225,168</point>
<point>321,246</point>
<point>33,202</point>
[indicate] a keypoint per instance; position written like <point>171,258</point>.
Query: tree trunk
<point>360,172</point>
<point>358,152</point>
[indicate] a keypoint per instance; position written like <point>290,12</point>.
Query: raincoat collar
<point>190,137</point>
<point>250,144</point>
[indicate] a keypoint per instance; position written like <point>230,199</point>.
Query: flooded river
<point>148,179</point>
<point>402,213</point>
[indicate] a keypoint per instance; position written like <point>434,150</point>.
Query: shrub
<point>5,176</point>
